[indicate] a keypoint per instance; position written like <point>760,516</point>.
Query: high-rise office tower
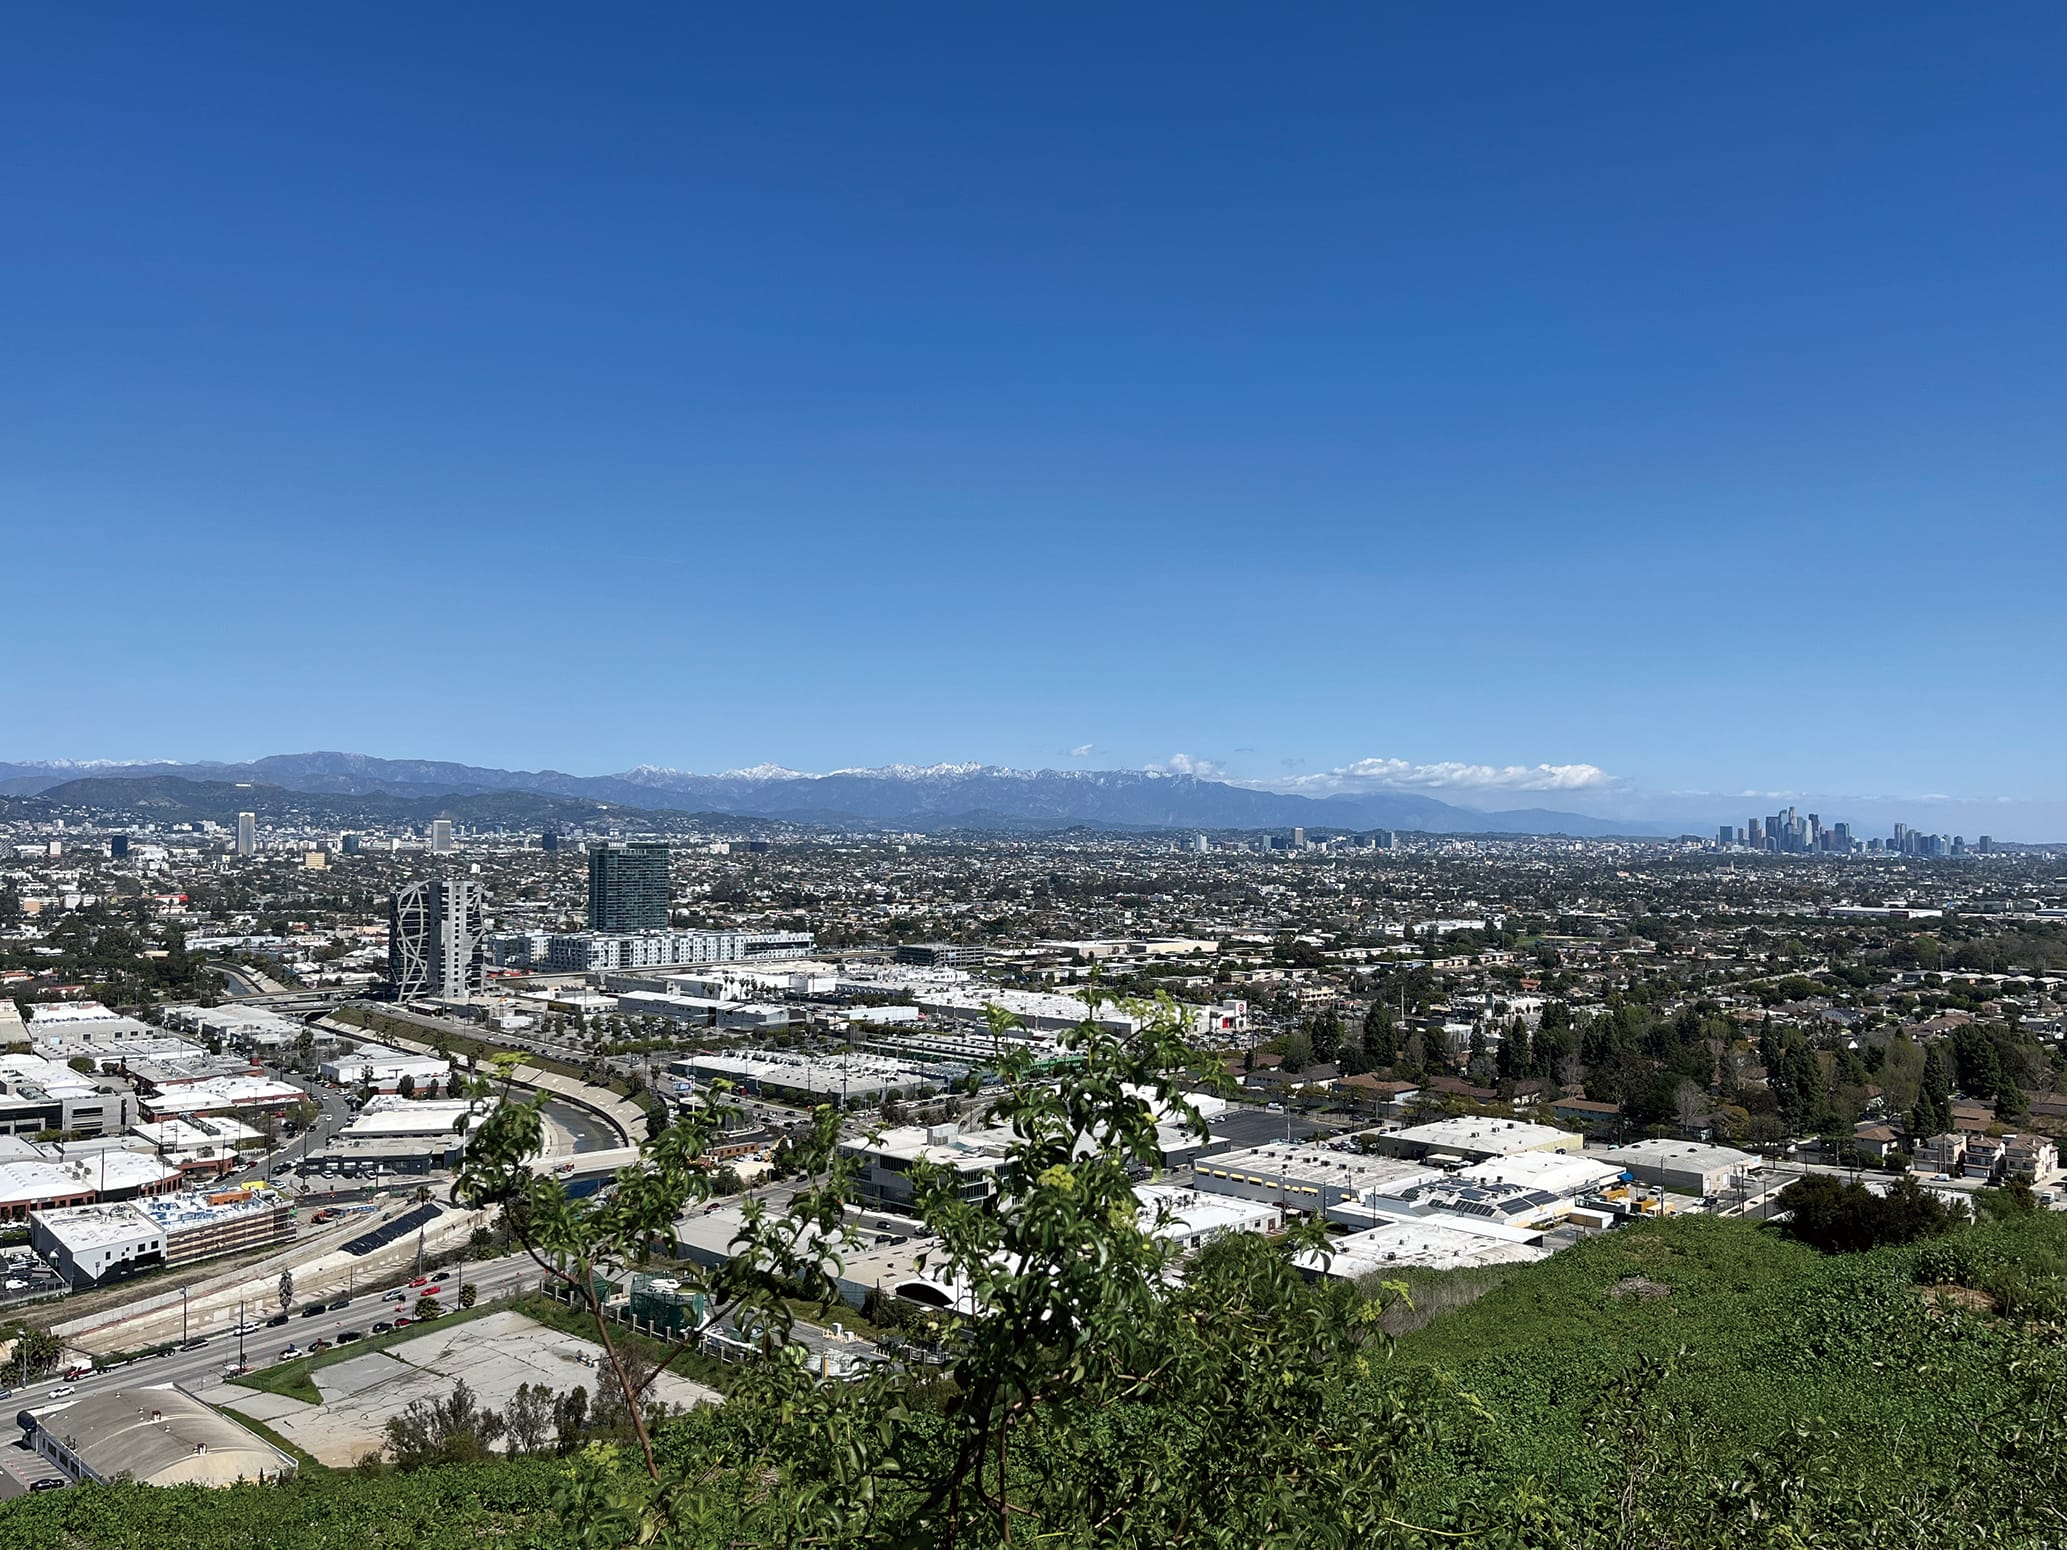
<point>435,940</point>
<point>1299,839</point>
<point>1726,835</point>
<point>247,834</point>
<point>349,844</point>
<point>549,842</point>
<point>628,886</point>
<point>441,836</point>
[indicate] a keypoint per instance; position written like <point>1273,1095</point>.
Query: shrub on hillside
<point>1837,1217</point>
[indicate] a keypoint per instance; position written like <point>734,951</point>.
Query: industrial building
<point>404,1135</point>
<point>160,1435</point>
<point>41,1178</point>
<point>974,1155</point>
<point>707,1011</point>
<point>39,1094</point>
<point>1303,1176</point>
<point>1473,1139</point>
<point>1514,1198</point>
<point>844,1078</point>
<point>88,1243</point>
<point>1195,1218</point>
<point>221,1095</point>
<point>383,1069</point>
<point>1686,1167</point>
<point>1395,1246</point>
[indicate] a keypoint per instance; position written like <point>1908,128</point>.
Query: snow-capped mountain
<point>912,796</point>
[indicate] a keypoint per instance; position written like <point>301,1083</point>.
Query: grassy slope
<point>1761,1338</point>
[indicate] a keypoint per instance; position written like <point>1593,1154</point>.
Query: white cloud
<point>1189,764</point>
<point>1081,751</point>
<point>1447,775</point>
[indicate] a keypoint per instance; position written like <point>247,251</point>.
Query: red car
<point>421,1281</point>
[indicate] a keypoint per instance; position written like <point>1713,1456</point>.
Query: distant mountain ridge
<point>912,796</point>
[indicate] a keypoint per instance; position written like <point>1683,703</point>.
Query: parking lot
<point>493,1354</point>
<point>21,1469</point>
<point>26,1278</point>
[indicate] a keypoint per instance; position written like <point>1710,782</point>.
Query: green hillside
<point>1680,1384</point>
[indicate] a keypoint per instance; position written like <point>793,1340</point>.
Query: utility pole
<point>184,1331</point>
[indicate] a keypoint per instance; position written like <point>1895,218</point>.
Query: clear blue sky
<point>1677,391</point>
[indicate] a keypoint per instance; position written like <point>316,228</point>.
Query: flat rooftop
<point>1307,1163</point>
<point>1419,1245</point>
<point>1690,1155</point>
<point>1480,1137</point>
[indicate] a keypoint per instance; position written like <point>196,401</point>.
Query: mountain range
<point>927,797</point>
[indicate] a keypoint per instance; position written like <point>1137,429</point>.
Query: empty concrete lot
<point>494,1355</point>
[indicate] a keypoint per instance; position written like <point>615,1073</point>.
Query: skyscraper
<point>549,842</point>
<point>441,836</point>
<point>435,940</point>
<point>628,886</point>
<point>247,834</point>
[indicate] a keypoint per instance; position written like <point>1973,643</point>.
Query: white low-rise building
<point>1474,1139</point>
<point>1192,1218</point>
<point>384,1069</point>
<point>1427,1245</point>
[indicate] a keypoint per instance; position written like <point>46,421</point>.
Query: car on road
<point>195,1345</point>
<point>403,1321</point>
<point>382,1327</point>
<point>276,1321</point>
<point>318,1347</point>
<point>16,1285</point>
<point>248,1327</point>
<point>62,1391</point>
<point>443,1275</point>
<point>397,1295</point>
<point>340,1305</point>
<point>346,1337</point>
<point>314,1310</point>
<point>290,1353</point>
<point>48,1485</point>
<point>421,1281</point>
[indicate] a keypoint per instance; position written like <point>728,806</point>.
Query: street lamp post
<point>184,1331</point>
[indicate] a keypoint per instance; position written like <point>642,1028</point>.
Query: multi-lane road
<point>203,1362</point>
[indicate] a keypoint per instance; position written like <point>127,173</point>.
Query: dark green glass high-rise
<point>628,886</point>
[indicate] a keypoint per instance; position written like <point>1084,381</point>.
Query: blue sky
<point>1671,393</point>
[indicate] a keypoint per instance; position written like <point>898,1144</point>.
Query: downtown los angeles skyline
<point>1656,415</point>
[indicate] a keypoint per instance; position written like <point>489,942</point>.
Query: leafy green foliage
<point>1843,1217</point>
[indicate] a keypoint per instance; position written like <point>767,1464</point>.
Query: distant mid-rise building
<point>349,844</point>
<point>628,886</point>
<point>118,846</point>
<point>549,842</point>
<point>441,836</point>
<point>247,834</point>
<point>435,941</point>
<point>943,955</point>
